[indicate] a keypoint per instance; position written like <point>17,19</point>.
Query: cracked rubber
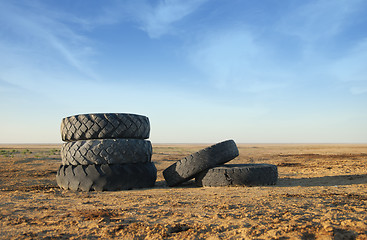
<point>186,168</point>
<point>237,175</point>
<point>106,151</point>
<point>106,177</point>
<point>104,125</point>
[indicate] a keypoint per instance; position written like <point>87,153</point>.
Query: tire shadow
<point>323,181</point>
<point>292,182</point>
<point>163,184</point>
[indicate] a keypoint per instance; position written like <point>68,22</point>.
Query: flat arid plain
<point>321,194</point>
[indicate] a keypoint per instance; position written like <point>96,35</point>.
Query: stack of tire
<point>208,168</point>
<point>106,152</point>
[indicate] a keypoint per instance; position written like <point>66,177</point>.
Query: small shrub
<point>26,151</point>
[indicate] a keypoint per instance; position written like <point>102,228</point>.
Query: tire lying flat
<point>238,174</point>
<point>106,151</point>
<point>106,177</point>
<point>104,125</point>
<point>186,168</point>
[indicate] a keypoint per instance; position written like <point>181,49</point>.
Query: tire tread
<point>104,125</point>
<point>237,175</point>
<point>186,168</point>
<point>106,177</point>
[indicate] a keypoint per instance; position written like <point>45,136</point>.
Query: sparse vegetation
<point>54,151</point>
<point>27,151</point>
<point>8,153</point>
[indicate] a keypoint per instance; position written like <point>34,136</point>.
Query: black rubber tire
<point>186,168</point>
<point>106,151</point>
<point>104,125</point>
<point>106,177</point>
<point>237,175</point>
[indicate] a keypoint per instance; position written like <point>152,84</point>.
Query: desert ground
<point>321,194</point>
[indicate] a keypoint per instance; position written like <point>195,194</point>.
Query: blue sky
<point>203,71</point>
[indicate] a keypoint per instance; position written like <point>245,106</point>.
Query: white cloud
<point>351,69</point>
<point>317,20</point>
<point>249,60</point>
<point>6,86</point>
<point>34,28</point>
<point>323,29</point>
<point>235,59</point>
<point>155,18</point>
<point>159,20</point>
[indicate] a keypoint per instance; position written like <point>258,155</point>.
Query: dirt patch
<point>289,164</point>
<point>321,194</point>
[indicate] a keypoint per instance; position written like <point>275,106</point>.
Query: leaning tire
<point>106,151</point>
<point>186,168</point>
<point>106,177</point>
<point>238,174</point>
<point>104,125</point>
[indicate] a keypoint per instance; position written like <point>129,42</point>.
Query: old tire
<point>104,125</point>
<point>186,168</point>
<point>106,151</point>
<point>106,177</point>
<point>238,174</point>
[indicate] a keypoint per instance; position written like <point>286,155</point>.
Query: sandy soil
<point>321,194</point>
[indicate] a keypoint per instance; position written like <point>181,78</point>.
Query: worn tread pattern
<point>106,177</point>
<point>104,125</point>
<point>237,175</point>
<point>186,168</point>
<point>106,151</point>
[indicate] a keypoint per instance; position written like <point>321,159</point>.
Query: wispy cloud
<point>328,44</point>
<point>156,18</point>
<point>235,59</point>
<point>351,69</point>
<point>299,48</point>
<point>159,19</point>
<point>6,86</point>
<point>318,20</point>
<point>35,28</point>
